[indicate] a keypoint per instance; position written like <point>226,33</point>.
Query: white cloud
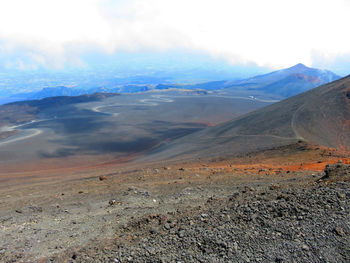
<point>269,33</point>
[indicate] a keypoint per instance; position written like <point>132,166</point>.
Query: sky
<point>264,33</point>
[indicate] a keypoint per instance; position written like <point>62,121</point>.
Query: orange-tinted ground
<point>288,159</point>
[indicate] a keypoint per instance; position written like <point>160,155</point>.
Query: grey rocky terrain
<point>304,222</point>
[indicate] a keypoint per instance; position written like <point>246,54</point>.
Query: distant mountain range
<point>278,84</point>
<point>287,82</point>
<point>282,83</point>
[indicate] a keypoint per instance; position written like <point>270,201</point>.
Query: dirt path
<point>294,124</point>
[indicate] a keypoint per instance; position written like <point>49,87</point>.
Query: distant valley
<point>64,122</point>
<point>275,85</point>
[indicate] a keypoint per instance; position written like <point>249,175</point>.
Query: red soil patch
<point>315,158</point>
<point>308,78</point>
<point>269,168</point>
<point>315,166</point>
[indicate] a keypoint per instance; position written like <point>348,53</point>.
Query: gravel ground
<point>277,223</point>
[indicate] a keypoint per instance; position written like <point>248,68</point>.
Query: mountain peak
<point>299,66</point>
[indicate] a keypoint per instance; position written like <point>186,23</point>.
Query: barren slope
<point>319,116</point>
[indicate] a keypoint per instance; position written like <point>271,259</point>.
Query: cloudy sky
<point>266,33</point>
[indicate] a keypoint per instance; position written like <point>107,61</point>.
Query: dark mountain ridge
<point>24,111</point>
<point>60,100</point>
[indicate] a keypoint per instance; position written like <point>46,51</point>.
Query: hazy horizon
<point>241,38</point>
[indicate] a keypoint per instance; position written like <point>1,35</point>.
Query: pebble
<point>305,247</point>
<point>103,177</point>
<point>339,231</point>
<point>112,202</point>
